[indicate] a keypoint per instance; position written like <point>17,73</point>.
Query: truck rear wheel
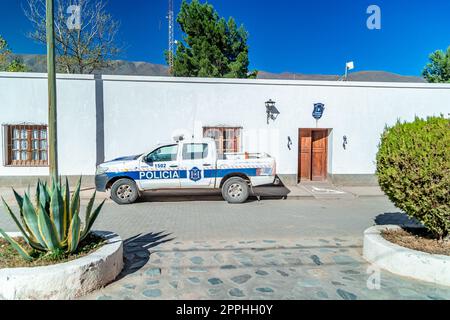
<point>124,191</point>
<point>235,190</point>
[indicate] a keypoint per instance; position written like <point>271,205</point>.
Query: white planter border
<point>403,261</point>
<point>65,281</point>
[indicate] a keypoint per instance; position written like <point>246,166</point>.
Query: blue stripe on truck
<point>224,172</point>
<point>179,174</point>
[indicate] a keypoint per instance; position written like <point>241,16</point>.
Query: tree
<point>16,66</point>
<point>7,62</point>
<point>4,53</point>
<point>83,49</point>
<point>211,46</point>
<point>438,69</point>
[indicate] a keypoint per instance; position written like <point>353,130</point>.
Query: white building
<point>104,117</point>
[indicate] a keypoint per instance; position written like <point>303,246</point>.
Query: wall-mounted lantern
<point>289,143</point>
<point>345,142</point>
<point>271,110</point>
<point>319,108</point>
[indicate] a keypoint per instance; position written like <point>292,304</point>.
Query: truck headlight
<point>101,170</point>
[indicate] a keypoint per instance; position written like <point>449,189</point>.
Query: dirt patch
<point>417,239</point>
<point>9,258</point>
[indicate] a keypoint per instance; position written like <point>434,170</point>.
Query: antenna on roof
<point>171,19</point>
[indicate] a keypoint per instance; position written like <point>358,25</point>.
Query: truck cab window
<point>195,151</point>
<point>163,154</point>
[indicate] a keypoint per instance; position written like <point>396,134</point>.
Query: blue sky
<point>316,36</point>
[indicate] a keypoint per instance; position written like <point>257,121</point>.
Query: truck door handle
<point>207,165</point>
<point>174,166</point>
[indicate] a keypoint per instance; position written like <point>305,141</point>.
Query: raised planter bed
<point>68,280</point>
<point>403,261</point>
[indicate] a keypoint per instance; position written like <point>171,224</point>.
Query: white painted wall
<point>140,112</point>
<point>23,98</point>
<point>153,109</point>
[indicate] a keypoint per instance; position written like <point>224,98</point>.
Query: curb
<point>311,197</point>
<point>402,261</point>
<point>68,280</point>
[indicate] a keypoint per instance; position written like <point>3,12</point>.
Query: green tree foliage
<point>438,69</point>
<point>413,168</point>
<point>7,62</point>
<point>16,66</point>
<point>211,46</point>
<point>4,53</point>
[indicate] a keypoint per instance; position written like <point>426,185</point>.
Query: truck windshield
<point>164,154</point>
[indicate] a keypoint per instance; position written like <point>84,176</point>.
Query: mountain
<point>364,76</point>
<point>121,67</point>
<point>37,63</point>
<point>296,76</point>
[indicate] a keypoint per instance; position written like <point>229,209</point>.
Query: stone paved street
<point>177,248</point>
<point>325,268</point>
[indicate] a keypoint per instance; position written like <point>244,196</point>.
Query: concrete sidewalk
<point>327,191</point>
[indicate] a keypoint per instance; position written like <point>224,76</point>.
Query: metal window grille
<point>26,145</point>
<point>228,139</point>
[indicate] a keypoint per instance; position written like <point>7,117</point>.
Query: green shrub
<point>413,169</point>
<point>52,224</point>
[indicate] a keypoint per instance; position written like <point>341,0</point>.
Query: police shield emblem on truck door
<point>195,174</point>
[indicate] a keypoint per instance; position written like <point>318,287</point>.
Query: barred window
<point>228,139</point>
<point>26,145</point>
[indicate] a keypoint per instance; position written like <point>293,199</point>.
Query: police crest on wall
<point>319,108</point>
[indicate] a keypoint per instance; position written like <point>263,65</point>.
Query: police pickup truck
<point>185,164</point>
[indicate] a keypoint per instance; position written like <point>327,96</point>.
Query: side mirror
<point>148,160</point>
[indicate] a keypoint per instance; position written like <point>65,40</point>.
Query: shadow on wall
<point>396,218</point>
<point>100,120</point>
<point>137,250</point>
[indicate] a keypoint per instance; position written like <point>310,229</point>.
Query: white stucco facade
<point>134,113</point>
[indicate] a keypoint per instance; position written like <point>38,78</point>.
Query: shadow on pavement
<point>136,250</point>
<point>180,196</point>
<point>396,218</point>
<point>265,192</point>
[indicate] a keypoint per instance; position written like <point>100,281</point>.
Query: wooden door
<point>304,164</point>
<point>319,155</point>
<point>313,155</point>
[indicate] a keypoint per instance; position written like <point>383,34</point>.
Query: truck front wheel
<point>235,190</point>
<point>124,191</point>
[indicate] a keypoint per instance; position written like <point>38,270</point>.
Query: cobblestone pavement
<point>325,268</point>
<point>204,248</point>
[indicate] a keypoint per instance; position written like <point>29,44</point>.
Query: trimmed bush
<point>413,169</point>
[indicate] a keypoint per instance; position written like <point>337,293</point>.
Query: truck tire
<point>235,190</point>
<point>124,191</point>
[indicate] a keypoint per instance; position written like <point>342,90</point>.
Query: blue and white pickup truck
<point>186,164</point>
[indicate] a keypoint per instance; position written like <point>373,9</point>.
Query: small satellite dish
<point>180,135</point>
<point>178,138</point>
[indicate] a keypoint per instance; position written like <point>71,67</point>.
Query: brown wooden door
<point>313,149</point>
<point>319,155</point>
<point>304,164</point>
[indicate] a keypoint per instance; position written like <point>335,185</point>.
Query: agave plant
<point>52,224</point>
